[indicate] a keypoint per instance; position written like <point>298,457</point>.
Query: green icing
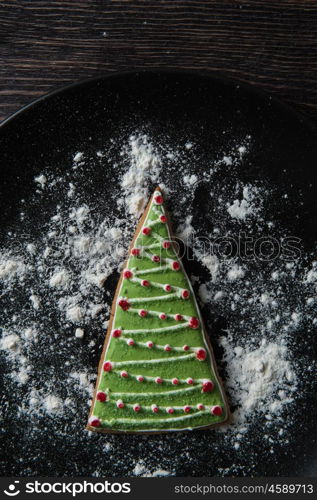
<point>127,419</point>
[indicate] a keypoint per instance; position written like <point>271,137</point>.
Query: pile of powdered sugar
<point>57,300</point>
<point>248,205</point>
<point>259,379</point>
<point>144,170</point>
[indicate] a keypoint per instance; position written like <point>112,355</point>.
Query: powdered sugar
<point>79,333</point>
<point>241,209</point>
<point>190,180</point>
<point>59,279</point>
<point>140,469</point>
<point>260,379</point>
<point>41,180</point>
<point>235,272</point>
<point>185,231</point>
<point>10,342</point>
<point>52,403</point>
<point>145,165</point>
<point>11,268</point>
<point>83,381</point>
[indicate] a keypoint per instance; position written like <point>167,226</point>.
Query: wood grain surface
<point>269,44</point>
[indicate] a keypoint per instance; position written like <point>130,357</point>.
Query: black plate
<point>183,107</point>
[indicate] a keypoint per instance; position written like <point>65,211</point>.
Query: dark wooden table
<point>47,44</point>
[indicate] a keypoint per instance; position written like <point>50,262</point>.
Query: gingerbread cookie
<point>157,371</point>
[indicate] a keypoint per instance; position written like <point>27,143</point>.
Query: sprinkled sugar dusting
<point>57,285</point>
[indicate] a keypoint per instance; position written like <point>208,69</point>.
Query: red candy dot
<point>124,374</point>
<point>158,380</point>
<point>167,347</point>
<point>190,381</point>
<point>185,294</point>
<point>167,288</point>
<point>216,410</point>
<point>116,333</point>
<point>163,218</point>
<point>178,317</point>
<point>166,244</point>
<point>170,410</point>
<point>107,366</point>
<point>94,422</point>
<point>149,344</point>
<point>140,378</point>
<point>101,396</point>
<point>175,265</point>
<point>201,354</point>
<point>175,381</point>
<point>200,407</point>
<point>186,347</point>
<point>158,200</point>
<point>162,316</point>
<point>142,313</point>
<point>156,258</point>
<point>135,252</point>
<point>136,407</point>
<point>145,283</point>
<point>154,408</point>
<point>146,231</point>
<point>193,323</point>
<point>130,342</point>
<point>127,274</point>
<point>120,404</point>
<point>208,386</point>
<point>124,304</point>
<point>187,409</point>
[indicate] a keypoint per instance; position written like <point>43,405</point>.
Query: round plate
<point>175,108</point>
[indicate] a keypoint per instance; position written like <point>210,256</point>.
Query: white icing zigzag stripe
<point>152,394</point>
<point>157,313</point>
<point>154,222</point>
<point>162,408</point>
<point>158,269</point>
<point>149,256</point>
<point>161,347</point>
<point>157,330</point>
<point>155,284</point>
<point>158,420</point>
<point>119,364</point>
<point>158,298</point>
<point>157,236</point>
<point>158,210</point>
<point>148,378</point>
<point>153,245</point>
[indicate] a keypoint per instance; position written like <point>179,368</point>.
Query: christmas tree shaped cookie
<point>157,371</point>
